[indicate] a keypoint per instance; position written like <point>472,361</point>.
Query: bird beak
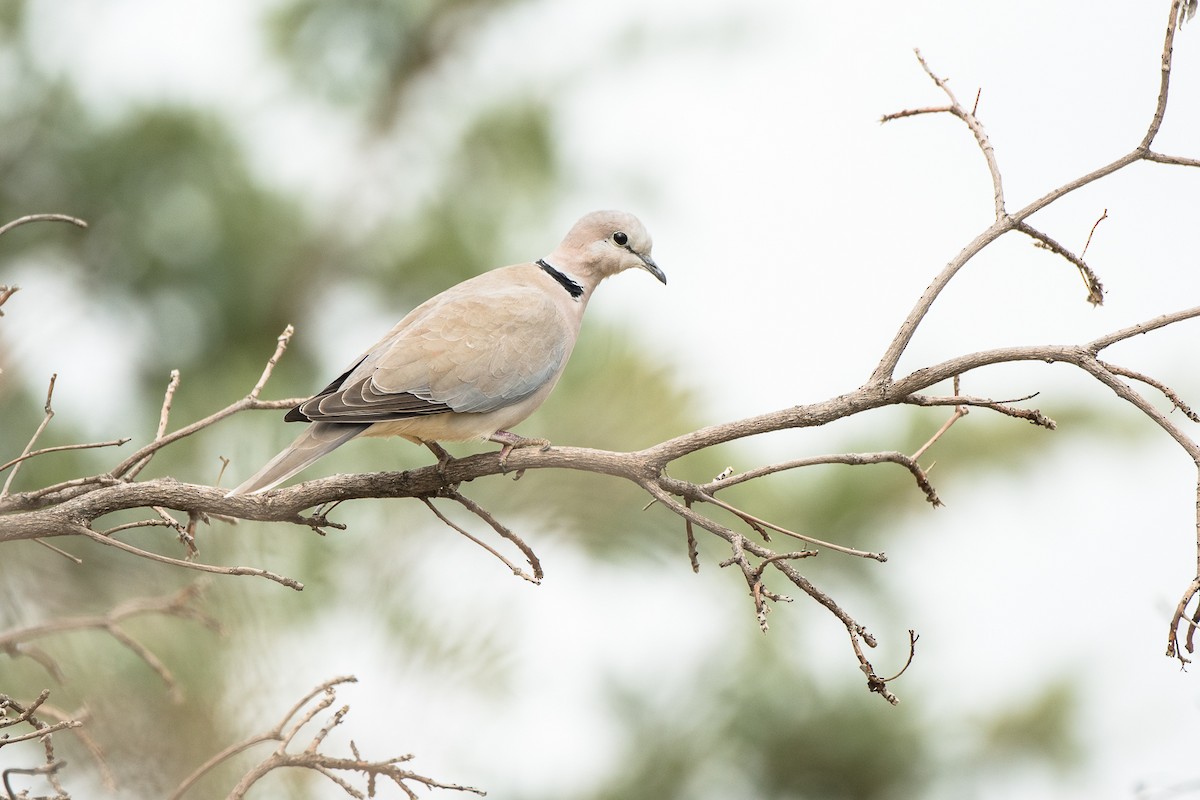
<point>653,268</point>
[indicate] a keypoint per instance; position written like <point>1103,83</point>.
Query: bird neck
<point>565,281</point>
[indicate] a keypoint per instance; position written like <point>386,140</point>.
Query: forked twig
<point>311,757</point>
<point>497,526</point>
<point>250,401</point>
<point>972,122</point>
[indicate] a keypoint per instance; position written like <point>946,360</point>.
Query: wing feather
<point>466,352</point>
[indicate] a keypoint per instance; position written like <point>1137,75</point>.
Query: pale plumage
<point>473,361</point>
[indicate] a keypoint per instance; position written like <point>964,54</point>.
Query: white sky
<point>797,232</point>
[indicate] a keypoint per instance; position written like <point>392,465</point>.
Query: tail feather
<point>317,440</point>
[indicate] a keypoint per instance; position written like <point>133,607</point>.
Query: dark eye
<point>621,238</point>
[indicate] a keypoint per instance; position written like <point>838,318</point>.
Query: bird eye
<point>621,238</point>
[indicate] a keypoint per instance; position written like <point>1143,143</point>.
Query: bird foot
<point>512,441</point>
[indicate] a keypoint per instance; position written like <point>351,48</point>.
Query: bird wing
<point>473,349</point>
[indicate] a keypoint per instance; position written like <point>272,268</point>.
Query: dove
<point>472,362</point>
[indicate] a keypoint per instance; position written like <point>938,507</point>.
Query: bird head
<point>604,243</point>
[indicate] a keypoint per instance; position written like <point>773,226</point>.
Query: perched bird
<point>472,362</point>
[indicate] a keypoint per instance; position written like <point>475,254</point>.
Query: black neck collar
<point>573,288</point>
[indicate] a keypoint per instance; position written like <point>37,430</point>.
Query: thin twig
<point>960,411</point>
<point>1167,391</point>
<point>40,733</point>
<point>849,459</point>
<point>535,578</point>
<point>60,448</point>
<point>1092,233</point>
<point>753,520</point>
<point>49,415</point>
<point>163,416</point>
<point>912,652</point>
<point>693,547</point>
<point>1095,289</point>
<point>1030,415</point>
<point>291,583</point>
<point>8,226</point>
<point>246,403</point>
<point>281,344</point>
<point>60,551</point>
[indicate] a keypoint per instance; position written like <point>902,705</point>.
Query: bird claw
<point>512,441</point>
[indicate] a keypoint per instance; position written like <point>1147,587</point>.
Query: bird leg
<point>512,441</point>
<point>443,457</point>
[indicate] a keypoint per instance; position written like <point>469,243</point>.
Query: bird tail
<point>317,440</point>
